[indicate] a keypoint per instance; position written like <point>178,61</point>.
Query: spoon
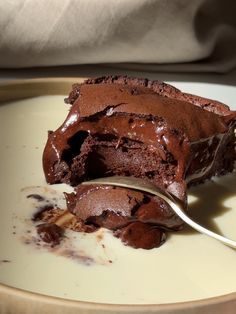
<point>175,204</point>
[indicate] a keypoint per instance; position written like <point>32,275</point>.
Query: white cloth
<point>187,35</point>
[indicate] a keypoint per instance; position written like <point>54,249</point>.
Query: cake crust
<point>159,87</point>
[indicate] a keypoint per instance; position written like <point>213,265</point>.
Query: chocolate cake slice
<point>136,127</point>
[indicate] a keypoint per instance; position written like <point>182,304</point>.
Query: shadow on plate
<point>209,201</point>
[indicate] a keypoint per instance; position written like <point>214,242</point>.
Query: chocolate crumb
<point>38,214</point>
<point>36,197</point>
<point>50,233</point>
<point>5,261</point>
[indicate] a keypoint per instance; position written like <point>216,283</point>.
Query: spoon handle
<point>200,228</point>
<point>138,184</point>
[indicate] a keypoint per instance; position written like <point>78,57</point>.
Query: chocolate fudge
<point>136,127</point>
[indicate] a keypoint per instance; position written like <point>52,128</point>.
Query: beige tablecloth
<point>186,35</point>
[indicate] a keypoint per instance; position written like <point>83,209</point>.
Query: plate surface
<point>98,267</point>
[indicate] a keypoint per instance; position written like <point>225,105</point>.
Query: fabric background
<point>170,35</point>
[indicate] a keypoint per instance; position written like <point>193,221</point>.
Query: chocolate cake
<point>142,128</point>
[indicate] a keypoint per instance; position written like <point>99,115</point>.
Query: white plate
<point>189,266</point>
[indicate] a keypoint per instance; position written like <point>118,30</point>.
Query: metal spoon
<point>175,204</point>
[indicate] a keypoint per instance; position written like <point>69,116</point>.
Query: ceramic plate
<point>97,267</point>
